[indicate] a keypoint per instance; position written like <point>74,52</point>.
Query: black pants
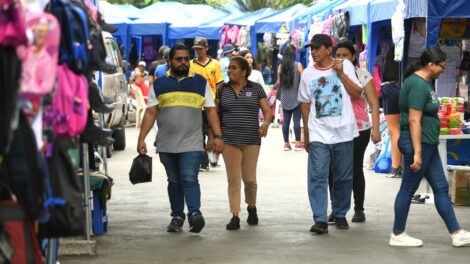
<point>359,182</point>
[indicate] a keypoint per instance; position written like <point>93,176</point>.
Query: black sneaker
<point>341,223</point>
<point>252,216</point>
<point>331,219</point>
<point>234,223</point>
<point>196,223</point>
<point>358,217</point>
<point>204,168</point>
<point>319,228</point>
<point>176,224</point>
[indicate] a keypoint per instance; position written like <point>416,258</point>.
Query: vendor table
<point>443,155</point>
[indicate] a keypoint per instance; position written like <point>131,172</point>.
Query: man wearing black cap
<point>326,89</point>
<point>210,69</point>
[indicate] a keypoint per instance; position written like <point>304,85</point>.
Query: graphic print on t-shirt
<point>328,95</point>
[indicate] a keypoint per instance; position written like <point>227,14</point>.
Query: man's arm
<point>214,124</point>
<point>305,110</point>
<point>373,100</point>
<point>150,116</point>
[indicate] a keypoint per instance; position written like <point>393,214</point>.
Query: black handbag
<point>141,170</point>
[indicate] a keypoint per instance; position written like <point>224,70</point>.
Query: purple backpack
<point>69,110</point>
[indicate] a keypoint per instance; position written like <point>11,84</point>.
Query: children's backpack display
<point>74,44</point>
<point>40,59</point>
<point>68,113</point>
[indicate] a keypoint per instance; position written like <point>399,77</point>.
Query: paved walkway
<point>138,216</point>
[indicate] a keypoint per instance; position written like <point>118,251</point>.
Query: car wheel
<point>119,136</point>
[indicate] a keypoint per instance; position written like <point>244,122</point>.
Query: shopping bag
<point>383,164</point>
<point>141,170</point>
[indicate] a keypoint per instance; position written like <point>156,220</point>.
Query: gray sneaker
<point>176,224</point>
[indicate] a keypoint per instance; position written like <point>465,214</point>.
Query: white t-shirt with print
<point>331,119</point>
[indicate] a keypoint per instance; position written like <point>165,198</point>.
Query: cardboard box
<point>460,188</point>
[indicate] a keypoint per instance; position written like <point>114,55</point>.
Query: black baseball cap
<point>320,39</point>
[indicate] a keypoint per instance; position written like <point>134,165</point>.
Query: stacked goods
<point>451,115</point>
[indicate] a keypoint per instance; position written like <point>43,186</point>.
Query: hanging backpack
<point>75,37</point>
<point>68,113</point>
<point>66,212</point>
<point>40,69</point>
<point>22,171</point>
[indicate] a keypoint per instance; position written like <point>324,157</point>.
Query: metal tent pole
<point>86,186</point>
<point>103,153</point>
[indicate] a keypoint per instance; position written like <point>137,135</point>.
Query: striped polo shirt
<point>179,105</point>
<point>239,124</point>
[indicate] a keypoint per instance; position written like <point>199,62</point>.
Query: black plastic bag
<point>141,170</point>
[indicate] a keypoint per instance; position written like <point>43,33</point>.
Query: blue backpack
<point>75,37</point>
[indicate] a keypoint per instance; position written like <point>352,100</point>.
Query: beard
<point>182,70</point>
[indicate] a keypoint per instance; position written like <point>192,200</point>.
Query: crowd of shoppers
<point>331,97</point>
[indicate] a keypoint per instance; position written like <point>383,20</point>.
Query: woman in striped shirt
<point>238,102</point>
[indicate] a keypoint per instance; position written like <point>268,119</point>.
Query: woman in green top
<point>419,138</point>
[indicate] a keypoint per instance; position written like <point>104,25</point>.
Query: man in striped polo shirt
<point>177,99</point>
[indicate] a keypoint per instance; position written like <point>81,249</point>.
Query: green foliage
<point>246,5</point>
<point>253,5</point>
<point>144,3</point>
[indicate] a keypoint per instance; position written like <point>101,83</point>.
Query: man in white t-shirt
<point>330,127</point>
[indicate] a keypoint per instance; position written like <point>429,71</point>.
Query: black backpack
<point>22,170</point>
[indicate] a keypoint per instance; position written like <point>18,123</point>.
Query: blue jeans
<point>182,170</point>
<point>431,168</point>
<point>319,158</point>
<point>287,114</point>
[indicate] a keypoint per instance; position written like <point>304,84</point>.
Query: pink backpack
<point>40,69</point>
<point>69,110</point>
<point>12,25</point>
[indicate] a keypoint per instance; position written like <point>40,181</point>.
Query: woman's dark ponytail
<point>431,55</point>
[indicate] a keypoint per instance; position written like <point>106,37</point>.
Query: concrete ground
<point>138,215</point>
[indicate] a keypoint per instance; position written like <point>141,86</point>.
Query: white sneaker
<point>461,238</point>
<point>404,240</point>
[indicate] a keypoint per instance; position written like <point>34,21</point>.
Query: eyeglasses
<point>180,59</point>
<point>442,66</point>
<point>233,67</point>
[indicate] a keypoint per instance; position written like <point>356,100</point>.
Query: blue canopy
<point>212,29</point>
<point>358,11</point>
<point>250,18</point>
<point>200,15</point>
<point>114,15</point>
<point>273,23</point>
<point>441,9</point>
<point>159,9</point>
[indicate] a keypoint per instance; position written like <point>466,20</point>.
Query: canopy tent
<point>358,11</point>
<point>114,14</point>
<point>273,23</point>
<point>122,11</point>
<point>199,15</point>
<point>321,10</point>
<point>439,10</point>
<point>250,18</point>
<point>212,29</point>
<point>166,9</point>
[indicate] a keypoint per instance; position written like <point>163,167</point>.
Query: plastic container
<point>455,131</point>
<point>99,217</point>
<point>444,131</point>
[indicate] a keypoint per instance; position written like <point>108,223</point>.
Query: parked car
<point>115,86</point>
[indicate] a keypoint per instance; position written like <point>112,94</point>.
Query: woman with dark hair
<point>238,102</point>
<point>288,76</point>
<point>367,131</point>
<point>419,139</point>
<point>255,75</point>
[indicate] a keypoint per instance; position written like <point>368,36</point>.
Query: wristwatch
<point>218,136</point>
